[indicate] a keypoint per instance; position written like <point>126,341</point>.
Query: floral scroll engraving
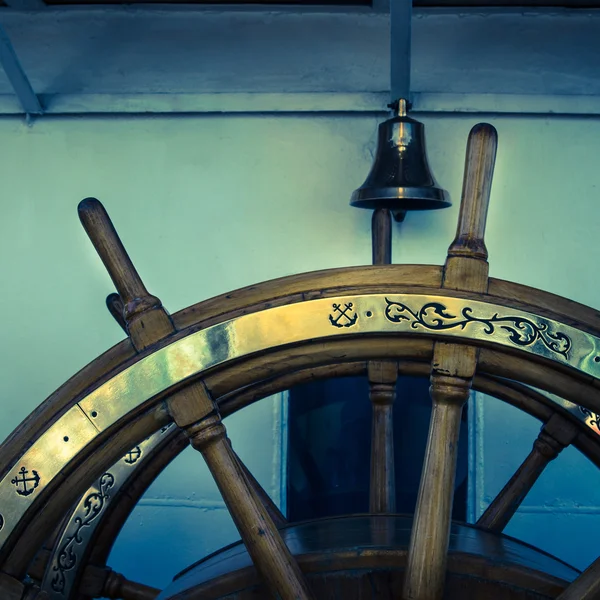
<point>93,506</point>
<point>434,316</point>
<point>594,418</point>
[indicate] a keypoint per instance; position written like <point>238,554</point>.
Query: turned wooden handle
<point>477,184</point>
<point>145,319</point>
<point>453,368</point>
<point>101,231</point>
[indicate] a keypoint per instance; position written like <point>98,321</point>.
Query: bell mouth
<point>401,198</point>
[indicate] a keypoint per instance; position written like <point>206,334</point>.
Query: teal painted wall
<point>209,204</point>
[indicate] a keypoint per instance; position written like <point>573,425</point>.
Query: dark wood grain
<point>106,583</point>
<point>195,412</point>
<point>452,370</point>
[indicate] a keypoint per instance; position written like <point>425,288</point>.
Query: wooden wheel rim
<point>578,367</point>
<point>523,398</point>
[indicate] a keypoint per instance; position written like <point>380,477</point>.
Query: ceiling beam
<point>17,77</point>
<point>550,53</point>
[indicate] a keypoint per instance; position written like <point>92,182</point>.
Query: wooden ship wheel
<point>72,472</point>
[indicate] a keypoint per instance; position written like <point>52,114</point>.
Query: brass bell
<point>400,178</point>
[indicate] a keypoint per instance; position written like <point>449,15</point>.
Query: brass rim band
<point>406,314</point>
<point>76,537</point>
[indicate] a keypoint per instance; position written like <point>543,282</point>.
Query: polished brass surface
<point>406,314</point>
<point>400,178</point>
<point>42,463</point>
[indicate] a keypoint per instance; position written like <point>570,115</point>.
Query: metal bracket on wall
<point>17,77</point>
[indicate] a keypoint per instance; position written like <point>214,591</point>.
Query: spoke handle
<point>144,318</point>
<point>477,184</point>
<point>108,245</point>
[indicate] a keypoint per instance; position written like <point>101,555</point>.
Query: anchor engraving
<point>344,316</point>
<point>22,480</point>
<point>133,455</point>
<point>1,522</point>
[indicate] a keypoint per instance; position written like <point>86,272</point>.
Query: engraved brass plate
<point>402,314</point>
<point>41,463</point>
<point>65,564</point>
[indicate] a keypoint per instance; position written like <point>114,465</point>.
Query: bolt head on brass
<point>400,178</point>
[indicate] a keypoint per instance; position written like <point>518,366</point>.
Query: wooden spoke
<point>147,321</point>
<point>102,582</point>
<point>194,410</point>
<point>382,391</point>
<point>554,437</point>
<point>268,551</point>
<point>116,309</point>
<point>272,508</point>
<point>586,586</point>
<point>453,368</point>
